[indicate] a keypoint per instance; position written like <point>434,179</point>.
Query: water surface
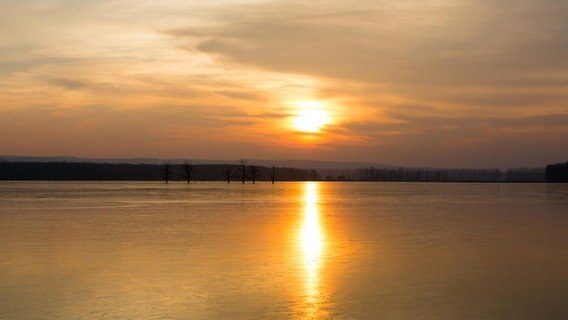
<point>119,250</point>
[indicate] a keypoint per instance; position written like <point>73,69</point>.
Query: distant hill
<point>299,164</point>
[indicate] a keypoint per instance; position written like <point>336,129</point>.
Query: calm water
<point>292,250</point>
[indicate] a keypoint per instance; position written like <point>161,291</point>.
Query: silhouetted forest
<point>144,172</point>
<point>243,172</point>
<point>451,175</point>
<point>557,172</point>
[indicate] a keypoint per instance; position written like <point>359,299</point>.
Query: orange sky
<point>416,83</point>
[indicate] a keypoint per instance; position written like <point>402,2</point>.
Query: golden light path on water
<point>312,243</point>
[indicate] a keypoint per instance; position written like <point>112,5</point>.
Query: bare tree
<point>188,167</point>
<point>243,170</point>
<point>166,171</point>
<point>253,173</point>
<point>228,172</point>
<point>272,174</point>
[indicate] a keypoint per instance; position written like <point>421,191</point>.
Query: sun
<point>311,117</point>
<point>310,121</point>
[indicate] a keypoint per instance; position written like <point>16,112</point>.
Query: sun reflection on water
<point>312,243</point>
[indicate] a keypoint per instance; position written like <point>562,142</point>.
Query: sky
<point>441,83</point>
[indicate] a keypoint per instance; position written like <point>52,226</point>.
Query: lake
<point>306,250</point>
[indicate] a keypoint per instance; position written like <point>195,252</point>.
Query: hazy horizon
<point>439,84</point>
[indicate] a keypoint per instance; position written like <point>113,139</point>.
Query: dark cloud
<point>68,83</point>
<point>8,66</point>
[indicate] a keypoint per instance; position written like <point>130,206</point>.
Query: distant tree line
<point>557,172</point>
<point>449,175</point>
<point>243,172</point>
<point>187,172</point>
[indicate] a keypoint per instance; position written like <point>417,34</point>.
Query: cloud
<point>23,58</point>
<point>498,43</point>
<point>68,83</point>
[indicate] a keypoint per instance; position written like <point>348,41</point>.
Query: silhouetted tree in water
<point>188,167</point>
<point>253,173</point>
<point>166,171</point>
<point>243,169</point>
<point>557,172</point>
<point>228,173</point>
<point>272,174</point>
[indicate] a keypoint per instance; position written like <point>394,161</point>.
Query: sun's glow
<point>311,116</point>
